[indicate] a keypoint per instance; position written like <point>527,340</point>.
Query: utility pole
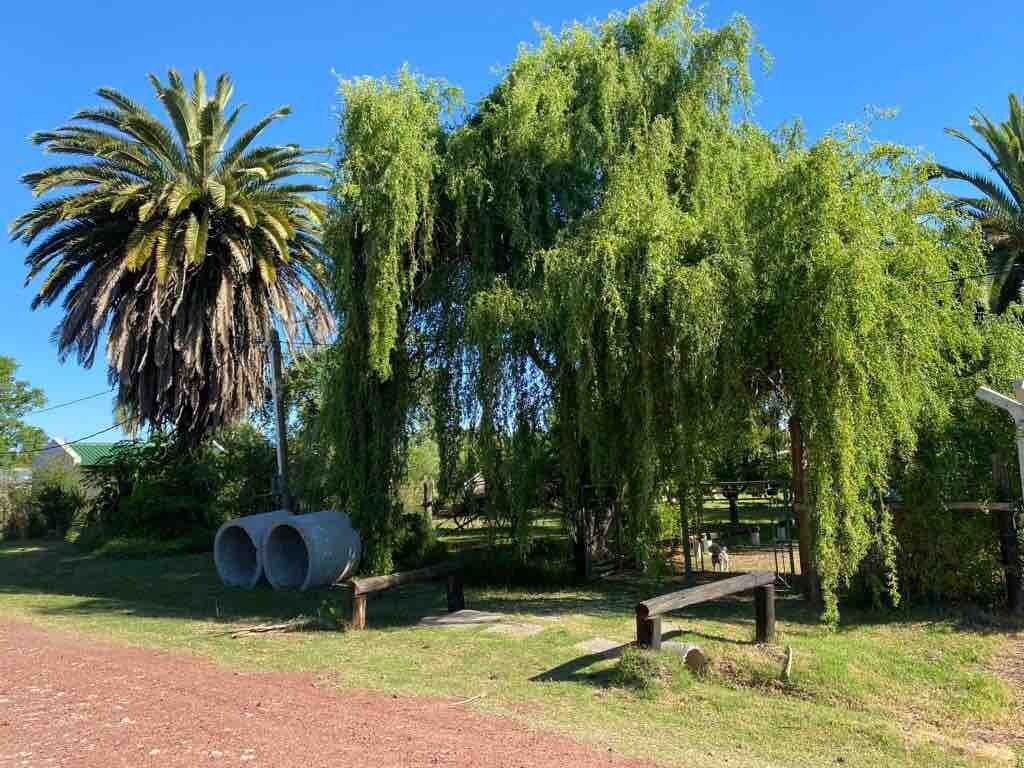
<point>280,422</point>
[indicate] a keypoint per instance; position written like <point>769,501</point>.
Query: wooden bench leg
<point>456,598</point>
<point>359,612</point>
<point>648,633</point>
<point>764,613</point>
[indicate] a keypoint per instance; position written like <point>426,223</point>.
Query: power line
<point>70,442</point>
<point>70,402</point>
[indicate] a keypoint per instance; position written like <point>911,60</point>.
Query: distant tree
<point>185,247</point>
<point>17,397</point>
<point>1000,208</point>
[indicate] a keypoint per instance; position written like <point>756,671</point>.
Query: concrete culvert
<point>238,548</point>
<point>312,550</point>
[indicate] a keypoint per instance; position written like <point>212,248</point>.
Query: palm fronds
<point>182,248</point>
<point>1000,209</point>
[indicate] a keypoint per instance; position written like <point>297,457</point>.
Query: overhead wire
<point>70,442</point>
<point>69,402</point>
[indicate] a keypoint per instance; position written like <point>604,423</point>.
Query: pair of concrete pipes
<point>292,551</point>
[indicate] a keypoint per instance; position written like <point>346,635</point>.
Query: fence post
<point>764,613</point>
<point>456,596</point>
<point>358,611</point>
<point>648,632</point>
<point>1006,528</point>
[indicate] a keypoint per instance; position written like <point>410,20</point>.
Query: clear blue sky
<point>935,61</point>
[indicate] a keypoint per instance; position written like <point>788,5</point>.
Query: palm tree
<point>1000,208</point>
<point>185,249</point>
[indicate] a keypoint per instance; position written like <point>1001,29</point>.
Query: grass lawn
<point>911,690</point>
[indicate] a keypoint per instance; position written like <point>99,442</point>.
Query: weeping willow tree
<point>382,237</point>
<point>860,325</point>
<point>606,267</point>
<point>556,264</point>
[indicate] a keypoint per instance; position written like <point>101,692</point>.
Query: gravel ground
<point>67,700</point>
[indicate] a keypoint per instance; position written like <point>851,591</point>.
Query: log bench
<point>450,573</point>
<point>649,612</point>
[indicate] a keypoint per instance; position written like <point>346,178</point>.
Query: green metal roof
<point>92,452</point>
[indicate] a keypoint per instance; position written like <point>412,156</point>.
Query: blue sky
<point>935,61</point>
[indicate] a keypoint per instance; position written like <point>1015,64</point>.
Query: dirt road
<point>66,700</point>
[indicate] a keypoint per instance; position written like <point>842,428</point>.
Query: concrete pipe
<point>312,550</point>
<point>238,548</point>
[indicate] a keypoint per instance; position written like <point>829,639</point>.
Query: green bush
<point>948,556</point>
<point>159,489</point>
<point>649,672</point>
<point>244,463</point>
<point>546,566</point>
<point>953,556</point>
<point>668,520</point>
<point>58,493</point>
<point>164,491</point>
<point>15,510</point>
<point>416,544</point>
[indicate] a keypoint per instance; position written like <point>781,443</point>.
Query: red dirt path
<point>66,700</point>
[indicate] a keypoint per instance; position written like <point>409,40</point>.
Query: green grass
<point>906,691</point>
<point>752,510</point>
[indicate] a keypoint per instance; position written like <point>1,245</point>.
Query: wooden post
<point>1005,522</point>
<point>648,632</point>
<point>358,611</point>
<point>280,421</point>
<point>456,597</point>
<point>764,613</point>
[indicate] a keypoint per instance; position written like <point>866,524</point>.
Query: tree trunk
<point>801,505</point>
<point>684,524</point>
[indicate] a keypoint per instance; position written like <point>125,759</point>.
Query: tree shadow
<point>187,587</point>
<point>573,670</point>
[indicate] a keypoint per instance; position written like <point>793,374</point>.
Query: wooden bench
<point>649,612</point>
<point>450,572</point>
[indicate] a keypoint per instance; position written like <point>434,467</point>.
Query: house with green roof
<point>71,454</point>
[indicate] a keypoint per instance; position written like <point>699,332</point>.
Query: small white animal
<point>719,557</point>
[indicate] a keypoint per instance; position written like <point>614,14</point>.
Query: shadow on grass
<point>187,587</point>
<point>574,669</point>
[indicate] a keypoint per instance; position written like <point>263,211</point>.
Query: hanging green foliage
<point>381,237</point>
<point>859,325</point>
<point>606,270</point>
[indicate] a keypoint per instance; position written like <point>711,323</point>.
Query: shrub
<point>245,464</point>
<point>416,543</point>
<point>948,556</point>
<point>58,493</point>
<point>668,520</point>
<point>46,505</point>
<point>159,488</point>
<point>15,510</point>
<point>545,566</point>
<point>649,672</point>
